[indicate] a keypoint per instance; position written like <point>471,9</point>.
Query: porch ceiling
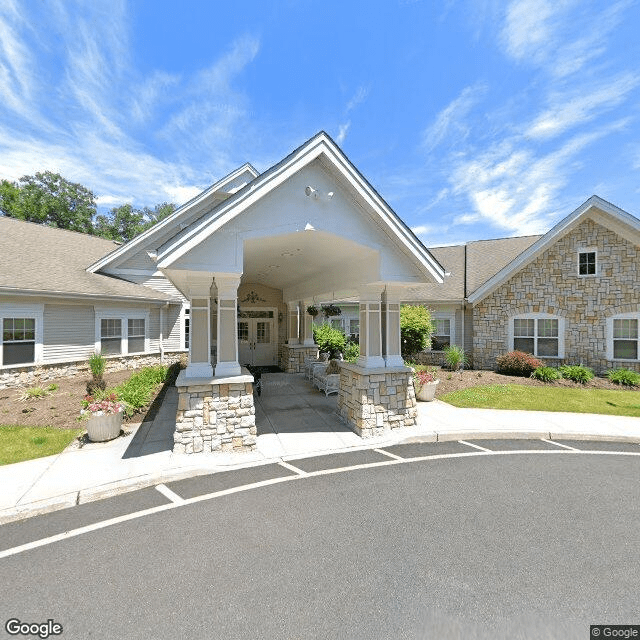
<point>310,263</point>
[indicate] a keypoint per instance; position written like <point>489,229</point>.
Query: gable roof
<point>38,259</point>
<point>602,211</point>
<point>203,202</point>
<point>321,145</point>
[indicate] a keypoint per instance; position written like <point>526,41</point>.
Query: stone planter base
<point>215,414</point>
<point>372,401</point>
<point>103,428</point>
<point>292,357</point>
<point>427,391</point>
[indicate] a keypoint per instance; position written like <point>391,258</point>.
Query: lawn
<point>536,398</point>
<point>25,443</point>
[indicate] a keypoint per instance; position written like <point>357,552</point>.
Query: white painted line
<point>475,446</point>
<point>167,493</point>
<point>286,465</point>
<point>388,453</point>
<point>559,444</point>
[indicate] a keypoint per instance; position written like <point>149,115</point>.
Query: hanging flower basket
<point>312,310</point>
<point>104,417</point>
<point>331,310</point>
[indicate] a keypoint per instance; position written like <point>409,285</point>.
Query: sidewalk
<point>293,422</point>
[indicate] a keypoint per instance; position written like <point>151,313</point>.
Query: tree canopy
<point>48,198</point>
<point>416,328</point>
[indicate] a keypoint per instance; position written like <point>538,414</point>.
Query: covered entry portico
<point>309,228</point>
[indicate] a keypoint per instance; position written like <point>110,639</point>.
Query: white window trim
<point>538,316</point>
<point>24,311</point>
<point>451,317</point>
<point>183,334</point>
<point>587,275</point>
<point>124,315</point>
<point>634,315</point>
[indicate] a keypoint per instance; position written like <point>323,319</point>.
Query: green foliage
<point>517,363</point>
<point>136,392</point>
<point>26,443</point>
<point>97,365</point>
<point>329,340</point>
<point>352,352</point>
<point>53,387</point>
<point>546,374</point>
<point>455,357</point>
<point>416,328</point>
<point>124,222</point>
<point>577,373</point>
<point>33,393</point>
<point>624,376</point>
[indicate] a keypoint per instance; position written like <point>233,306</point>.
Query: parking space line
<point>559,444</point>
<point>286,465</point>
<point>388,453</point>
<point>475,446</point>
<point>167,493</point>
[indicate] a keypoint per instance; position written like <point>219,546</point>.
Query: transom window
<point>539,336</point>
<point>625,338</point>
<point>587,263</point>
<point>441,338</point>
<point>18,340</point>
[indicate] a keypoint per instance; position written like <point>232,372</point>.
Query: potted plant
<point>331,310</point>
<point>425,383</point>
<point>312,310</point>
<point>104,417</point>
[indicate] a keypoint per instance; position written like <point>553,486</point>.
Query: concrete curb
<point>91,494</point>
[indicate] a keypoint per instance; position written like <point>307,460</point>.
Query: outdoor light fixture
<point>310,191</point>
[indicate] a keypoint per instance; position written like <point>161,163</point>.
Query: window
<point>441,337</point>
<point>136,335</point>
<point>18,340</point>
<point>337,323</point>
<point>625,338</point>
<point>354,327</point>
<point>111,336</point>
<point>539,336</point>
<point>587,263</point>
<point>186,328</point>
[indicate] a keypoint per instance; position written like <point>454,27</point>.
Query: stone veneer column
<point>293,336</point>
<point>391,327</point>
<point>306,329</point>
<point>227,333</point>
<point>370,327</point>
<point>199,365</point>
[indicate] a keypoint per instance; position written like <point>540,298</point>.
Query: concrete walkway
<point>293,421</point>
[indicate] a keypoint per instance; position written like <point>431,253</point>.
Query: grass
<point>513,396</point>
<point>25,443</point>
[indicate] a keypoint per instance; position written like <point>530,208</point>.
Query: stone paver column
<point>306,329</point>
<point>227,333</point>
<point>370,327</point>
<point>293,336</point>
<point>391,327</point>
<point>199,365</point>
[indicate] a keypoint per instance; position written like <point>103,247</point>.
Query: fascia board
<point>198,201</point>
<point>85,296</point>
<point>547,240</point>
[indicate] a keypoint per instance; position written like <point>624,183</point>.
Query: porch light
<point>310,191</point>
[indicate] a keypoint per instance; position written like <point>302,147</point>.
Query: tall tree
<point>48,198</point>
<point>124,222</point>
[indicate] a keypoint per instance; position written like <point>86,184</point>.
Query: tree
<point>159,212</point>
<point>48,198</point>
<point>416,328</point>
<point>124,222</point>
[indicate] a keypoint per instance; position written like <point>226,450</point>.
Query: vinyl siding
<point>153,332</point>
<point>171,328</point>
<point>68,332</point>
<point>139,261</point>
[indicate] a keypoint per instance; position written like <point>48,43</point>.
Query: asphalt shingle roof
<point>38,258</point>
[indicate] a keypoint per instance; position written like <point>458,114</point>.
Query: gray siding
<point>171,331</point>
<point>68,332</point>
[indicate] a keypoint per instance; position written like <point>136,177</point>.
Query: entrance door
<point>256,341</point>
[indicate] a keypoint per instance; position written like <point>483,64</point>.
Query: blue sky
<point>473,119</point>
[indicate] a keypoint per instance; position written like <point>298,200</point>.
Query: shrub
<point>415,329</point>
<point>97,365</point>
<point>546,374</point>
<point>576,372</point>
<point>136,392</point>
<point>329,340</point>
<point>352,352</point>
<point>455,357</point>
<point>624,376</point>
<point>517,363</point>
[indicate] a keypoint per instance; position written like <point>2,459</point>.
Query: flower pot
<point>101,428</point>
<point>427,391</point>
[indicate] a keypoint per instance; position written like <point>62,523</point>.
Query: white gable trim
<point>320,145</point>
<point>142,240</point>
<point>620,217</point>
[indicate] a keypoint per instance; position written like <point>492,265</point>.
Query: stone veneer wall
<point>36,374</point>
<point>372,401</point>
<point>215,415</point>
<point>291,357</point>
<point>550,284</point>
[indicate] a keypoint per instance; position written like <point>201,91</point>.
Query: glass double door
<point>256,342</point>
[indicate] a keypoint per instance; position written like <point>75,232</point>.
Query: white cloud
<point>358,98</point>
<point>343,129</point>
<point>423,229</point>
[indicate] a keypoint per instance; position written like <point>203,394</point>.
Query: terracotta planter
<point>427,391</point>
<point>105,427</point>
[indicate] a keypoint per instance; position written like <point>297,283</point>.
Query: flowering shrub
<point>517,363</point>
<point>106,406</point>
<point>423,377</point>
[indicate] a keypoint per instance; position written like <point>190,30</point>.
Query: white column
<point>293,335</point>
<point>227,333</point>
<point>391,327</point>
<point>371,327</point>
<point>199,365</point>
<point>306,329</point>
